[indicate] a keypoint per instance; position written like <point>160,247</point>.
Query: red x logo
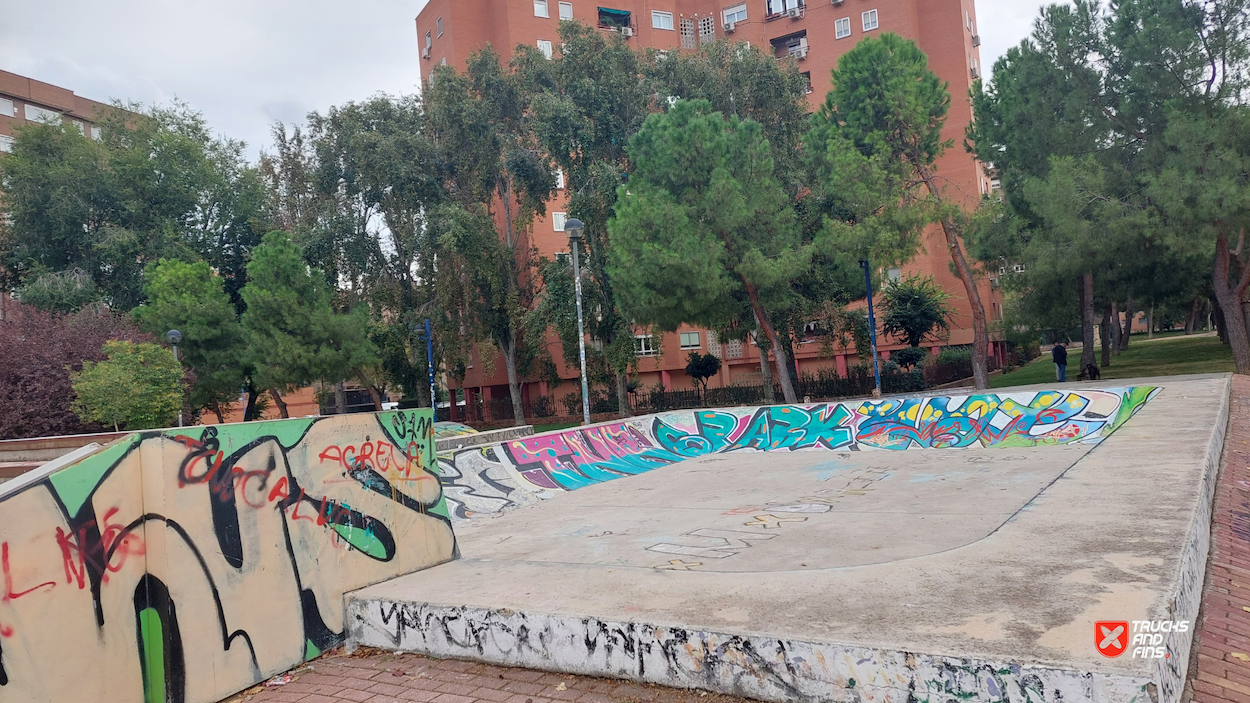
<point>1111,637</point>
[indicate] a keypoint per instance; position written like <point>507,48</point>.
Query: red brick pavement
<point>1221,669</point>
<point>375,676</point>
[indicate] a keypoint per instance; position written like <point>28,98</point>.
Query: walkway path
<point>374,676</point>
<point>1223,646</point>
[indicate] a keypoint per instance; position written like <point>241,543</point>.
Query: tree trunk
<point>793,366</point>
<point>1105,337</point>
<point>249,411</point>
<point>1087,320</point>
<point>766,374</point>
<point>340,398</point>
<point>783,375</point>
<point>1150,322</point>
<point>277,400</point>
<point>980,329</point>
<point>1128,322</point>
<point>514,384</point>
<point>622,396</point>
<point>1217,314</point>
<point>373,392</point>
<point>1229,294</point>
<point>221,420</point>
<point>1115,328</point>
<point>1192,318</point>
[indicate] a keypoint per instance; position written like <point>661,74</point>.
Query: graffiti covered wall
<point>496,477</point>
<point>185,565</point>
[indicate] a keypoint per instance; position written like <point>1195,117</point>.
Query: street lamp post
<point>574,229</point>
<point>872,329</point>
<point>173,337</point>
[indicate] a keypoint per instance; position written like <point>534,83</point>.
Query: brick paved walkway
<point>382,677</point>
<point>1223,659</point>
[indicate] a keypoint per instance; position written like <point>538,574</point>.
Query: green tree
<point>192,299</point>
<point>891,107</point>
<point>138,387</point>
<point>60,291</point>
<point>294,337</point>
<point>497,182</point>
<point>914,308</point>
<point>703,218</point>
<point>701,367</point>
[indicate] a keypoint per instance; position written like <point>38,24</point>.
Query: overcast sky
<point>246,63</point>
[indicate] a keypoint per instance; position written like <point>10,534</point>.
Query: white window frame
<point>731,14</point>
<point>545,47</point>
<point>429,40</point>
<point>82,128</point>
<point>842,28</point>
<point>7,108</point>
<point>688,346</point>
<point>6,143</point>
<point>438,24</point>
<point>644,345</point>
<point>870,20</point>
<point>540,8</point>
<point>659,18</point>
<point>96,134</point>
<point>566,10</point>
<point>559,179</point>
<point>34,113</point>
<point>558,219</point>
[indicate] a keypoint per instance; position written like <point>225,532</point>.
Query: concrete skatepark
<point>857,573</point>
<point>937,547</point>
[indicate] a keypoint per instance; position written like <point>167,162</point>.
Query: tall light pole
<point>173,337</point>
<point>429,362</point>
<point>574,229</point>
<point>872,329</point>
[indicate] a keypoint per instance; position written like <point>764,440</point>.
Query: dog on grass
<point>1089,373</point>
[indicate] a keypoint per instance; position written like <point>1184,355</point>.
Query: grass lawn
<point>539,429</point>
<point>1156,357</point>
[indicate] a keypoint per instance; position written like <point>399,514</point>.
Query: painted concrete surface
<point>185,565</point>
<point>940,574</point>
<point>495,477</point>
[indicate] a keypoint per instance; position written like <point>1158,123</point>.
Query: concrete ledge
<point>764,668</point>
<point>478,438</point>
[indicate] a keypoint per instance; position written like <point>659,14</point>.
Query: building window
<point>566,10</point>
<point>557,220</point>
<point>733,348</point>
<point>807,76</point>
<point>777,7</point>
<point>545,47</point>
<point>690,340</point>
<point>707,30</point>
<point>6,144</point>
<point>559,179</point>
<point>894,274</point>
<point>662,20</point>
<point>791,45</point>
<point>540,8</point>
<point>95,133</point>
<point>870,20</point>
<point>737,13</point>
<point>687,34</point>
<point>38,114</point>
<point>644,345</point>
<point>842,28</point>
<point>614,20</point>
<point>7,108</point>
<point>82,129</point>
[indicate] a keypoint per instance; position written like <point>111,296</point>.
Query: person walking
<point>1059,353</point>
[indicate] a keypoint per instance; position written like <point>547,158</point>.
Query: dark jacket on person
<point>1060,354</point>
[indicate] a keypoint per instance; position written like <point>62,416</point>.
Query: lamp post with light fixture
<point>173,337</point>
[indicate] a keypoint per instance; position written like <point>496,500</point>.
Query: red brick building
<point>815,34</point>
<point>25,100</point>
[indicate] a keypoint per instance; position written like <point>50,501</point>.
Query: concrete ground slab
<point>873,575</point>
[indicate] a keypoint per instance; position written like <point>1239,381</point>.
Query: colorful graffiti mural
<point>514,472</point>
<point>186,565</point>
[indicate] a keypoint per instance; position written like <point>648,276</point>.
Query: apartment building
<point>814,34</point>
<point>24,100</point>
